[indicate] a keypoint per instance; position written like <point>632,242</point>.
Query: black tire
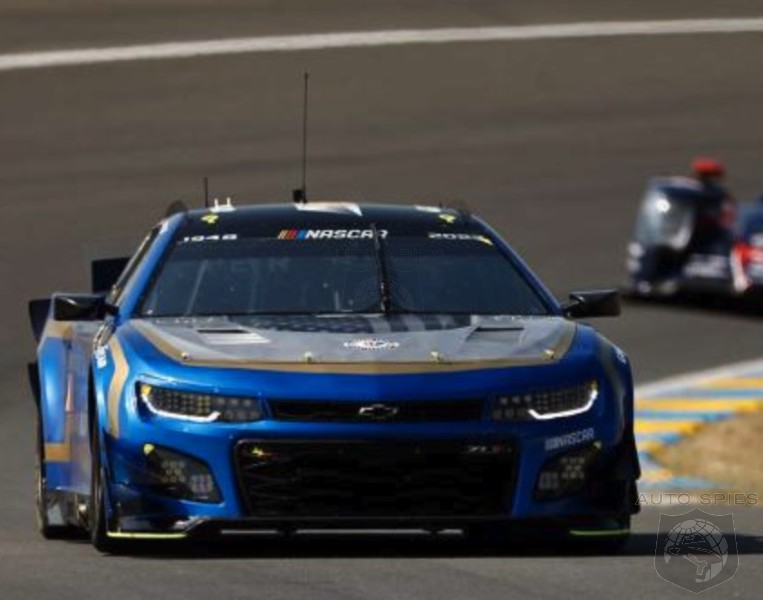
<point>97,514</point>
<point>48,531</point>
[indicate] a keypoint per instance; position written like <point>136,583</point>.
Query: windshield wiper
<point>386,298</point>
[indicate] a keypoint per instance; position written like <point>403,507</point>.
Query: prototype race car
<point>328,365</point>
<point>691,239</point>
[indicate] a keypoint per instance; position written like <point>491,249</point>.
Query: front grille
<point>375,479</point>
<point>409,411</point>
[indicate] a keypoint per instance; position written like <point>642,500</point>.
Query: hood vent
<point>231,337</point>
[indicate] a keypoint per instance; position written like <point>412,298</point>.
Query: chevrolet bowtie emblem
<point>378,412</point>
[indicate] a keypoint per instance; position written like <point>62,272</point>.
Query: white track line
<point>364,39</point>
<point>664,386</point>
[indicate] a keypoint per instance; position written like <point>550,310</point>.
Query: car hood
<point>258,342</point>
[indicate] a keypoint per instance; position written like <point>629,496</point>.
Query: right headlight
<point>546,404</point>
<point>202,408</point>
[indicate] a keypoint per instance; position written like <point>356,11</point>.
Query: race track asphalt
<point>551,142</point>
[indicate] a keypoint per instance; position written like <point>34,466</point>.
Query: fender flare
<point>98,400</point>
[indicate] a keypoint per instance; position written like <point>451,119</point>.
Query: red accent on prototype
<point>741,256</point>
<point>705,167</point>
<point>748,254</point>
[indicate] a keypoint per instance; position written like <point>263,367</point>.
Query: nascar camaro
<point>288,367</point>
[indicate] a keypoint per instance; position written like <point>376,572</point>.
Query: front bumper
<point>380,482</point>
<point>211,528</point>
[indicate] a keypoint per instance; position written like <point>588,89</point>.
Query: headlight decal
<point>567,474</point>
<point>198,407</point>
<point>575,401</point>
<point>179,475</point>
<point>547,404</point>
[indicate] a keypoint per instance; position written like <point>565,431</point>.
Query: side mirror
<point>597,303</point>
<point>80,307</point>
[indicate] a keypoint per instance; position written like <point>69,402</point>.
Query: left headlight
<point>548,404</point>
<point>202,408</point>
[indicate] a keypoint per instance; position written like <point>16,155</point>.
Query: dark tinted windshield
<point>666,219</point>
<point>269,276</point>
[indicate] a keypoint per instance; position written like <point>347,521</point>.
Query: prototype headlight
<point>548,404</point>
<point>202,408</point>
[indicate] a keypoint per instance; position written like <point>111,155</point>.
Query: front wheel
<point>97,512</point>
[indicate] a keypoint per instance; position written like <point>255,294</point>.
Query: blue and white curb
<point>670,410</point>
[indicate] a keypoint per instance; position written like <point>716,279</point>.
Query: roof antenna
<point>299,195</point>
<point>206,192</point>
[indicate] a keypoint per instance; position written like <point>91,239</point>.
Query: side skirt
<point>67,508</point>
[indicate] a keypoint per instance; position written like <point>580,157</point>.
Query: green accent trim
<point>599,532</point>
<point>146,536</point>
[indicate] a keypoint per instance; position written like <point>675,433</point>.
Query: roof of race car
<point>687,187</point>
<point>265,219</point>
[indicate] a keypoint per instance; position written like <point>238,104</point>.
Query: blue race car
<point>328,365</point>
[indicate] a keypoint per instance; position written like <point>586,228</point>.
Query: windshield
<point>247,276</point>
<point>665,220</point>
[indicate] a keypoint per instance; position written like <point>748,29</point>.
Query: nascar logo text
<point>330,234</point>
<point>570,439</point>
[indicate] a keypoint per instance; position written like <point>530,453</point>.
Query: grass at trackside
<point>728,452</point>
